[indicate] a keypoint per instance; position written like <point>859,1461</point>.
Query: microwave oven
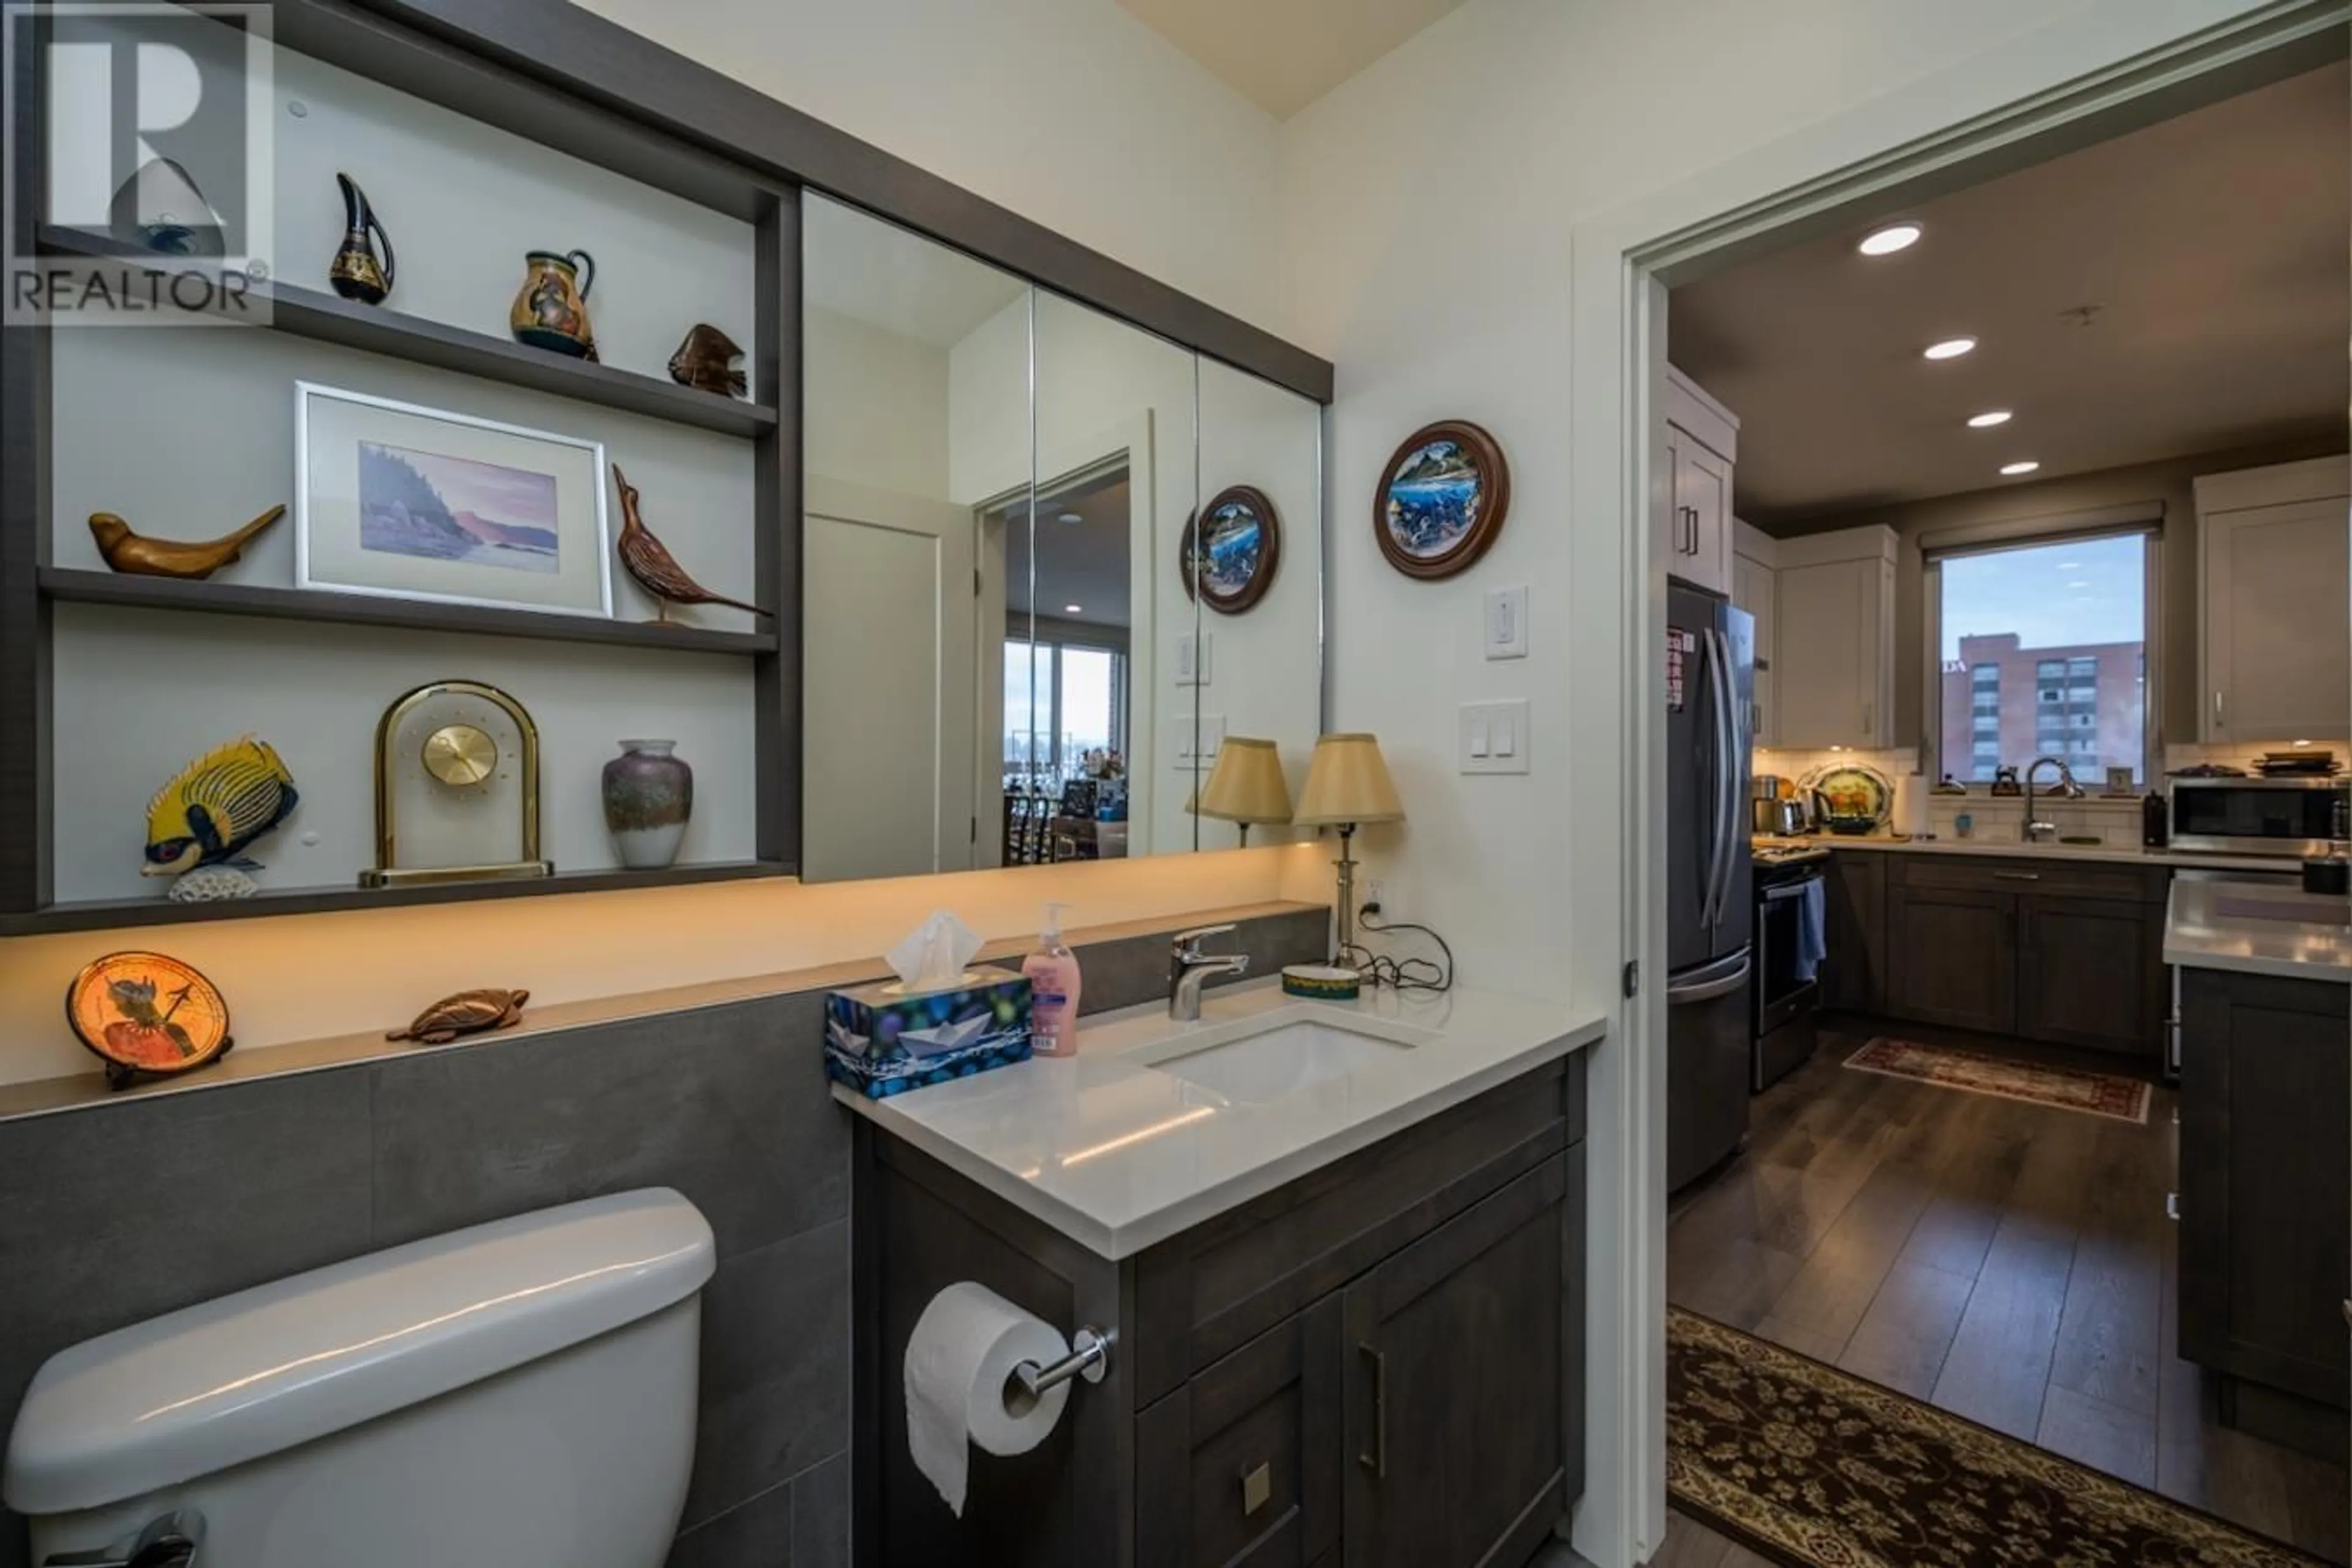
<point>2294,818</point>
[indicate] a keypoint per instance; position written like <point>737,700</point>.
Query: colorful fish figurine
<point>219,805</point>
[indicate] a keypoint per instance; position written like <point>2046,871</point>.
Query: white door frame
<point>2102,69</point>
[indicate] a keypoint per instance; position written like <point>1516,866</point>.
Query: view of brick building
<point>2004,703</point>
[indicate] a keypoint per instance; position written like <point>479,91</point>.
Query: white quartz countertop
<point>2131,855</point>
<point>1118,1154</point>
<point>2259,929</point>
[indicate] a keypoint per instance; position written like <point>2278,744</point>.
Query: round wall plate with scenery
<point>1441,499</point>
<point>146,1013</point>
<point>1240,547</point>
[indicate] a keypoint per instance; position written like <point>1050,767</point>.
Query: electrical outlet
<point>1373,888</point>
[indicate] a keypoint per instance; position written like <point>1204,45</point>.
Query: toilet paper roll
<point>962,1350</point>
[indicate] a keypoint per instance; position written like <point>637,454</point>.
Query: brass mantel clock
<point>456,788</point>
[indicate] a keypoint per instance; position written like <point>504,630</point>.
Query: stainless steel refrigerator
<point>1710,895</point>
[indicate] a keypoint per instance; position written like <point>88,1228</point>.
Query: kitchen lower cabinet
<point>2265,1180</point>
<point>1952,958</point>
<point>1381,1362</point>
<point>2062,952</point>
<point>1854,976</point>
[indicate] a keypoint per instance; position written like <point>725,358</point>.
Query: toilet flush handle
<point>169,1540</point>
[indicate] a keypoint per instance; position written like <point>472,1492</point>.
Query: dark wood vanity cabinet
<point>1381,1362</point>
<point>2070,953</point>
<point>2266,1199</point>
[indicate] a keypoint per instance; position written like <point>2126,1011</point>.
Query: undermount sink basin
<point>1260,1064</point>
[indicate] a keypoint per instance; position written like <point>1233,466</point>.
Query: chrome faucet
<point>1189,969</point>
<point>2067,789</point>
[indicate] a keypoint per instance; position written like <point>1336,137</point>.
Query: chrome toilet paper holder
<point>1089,1358</point>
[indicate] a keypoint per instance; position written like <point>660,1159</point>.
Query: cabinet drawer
<point>1240,1465</point>
<point>2068,879</point>
<point>1206,1293</point>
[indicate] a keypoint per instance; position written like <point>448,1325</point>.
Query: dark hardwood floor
<point>2007,1261</point>
<point>1688,1544</point>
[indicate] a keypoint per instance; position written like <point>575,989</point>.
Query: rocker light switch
<point>1494,737</point>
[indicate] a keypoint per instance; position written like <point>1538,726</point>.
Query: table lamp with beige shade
<point>1246,787</point>
<point>1348,785</point>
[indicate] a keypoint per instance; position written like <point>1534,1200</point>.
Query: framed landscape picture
<point>1441,499</point>
<point>1233,551</point>
<point>407,502</point>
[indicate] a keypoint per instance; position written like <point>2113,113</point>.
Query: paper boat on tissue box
<point>880,1040</point>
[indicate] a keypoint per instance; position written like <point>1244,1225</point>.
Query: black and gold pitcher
<point>356,273</point>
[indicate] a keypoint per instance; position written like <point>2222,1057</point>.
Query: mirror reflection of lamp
<point>1246,787</point>
<point>1348,784</point>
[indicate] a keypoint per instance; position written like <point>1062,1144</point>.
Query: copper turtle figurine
<point>466,1013</point>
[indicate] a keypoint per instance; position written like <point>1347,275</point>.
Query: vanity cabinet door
<point>1456,1446</point>
<point>1241,1466</point>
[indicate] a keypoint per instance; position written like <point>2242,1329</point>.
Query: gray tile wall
<point>115,1213</point>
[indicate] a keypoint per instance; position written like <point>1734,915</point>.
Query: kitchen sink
<point>1268,1058</point>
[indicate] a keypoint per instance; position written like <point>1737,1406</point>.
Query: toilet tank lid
<point>248,1375</point>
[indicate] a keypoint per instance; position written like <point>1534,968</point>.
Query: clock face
<point>460,755</point>
<point>146,1011</point>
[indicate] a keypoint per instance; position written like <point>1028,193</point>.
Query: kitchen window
<point>2041,649</point>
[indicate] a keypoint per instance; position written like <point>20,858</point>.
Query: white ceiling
<point>858,265</point>
<point>1085,562</point>
<point>1283,55</point>
<point>2213,245</point>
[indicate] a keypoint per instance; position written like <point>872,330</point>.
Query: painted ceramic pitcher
<point>356,273</point>
<point>552,311</point>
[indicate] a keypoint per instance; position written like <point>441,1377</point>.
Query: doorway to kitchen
<point>1952,1209</point>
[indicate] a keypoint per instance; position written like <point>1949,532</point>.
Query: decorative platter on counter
<point>1854,798</point>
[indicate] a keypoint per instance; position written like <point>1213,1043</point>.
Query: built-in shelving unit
<point>97,914</point>
<point>68,586</point>
<point>378,329</point>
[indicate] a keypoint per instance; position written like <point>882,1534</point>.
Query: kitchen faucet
<point>2067,789</point>
<point>1189,969</point>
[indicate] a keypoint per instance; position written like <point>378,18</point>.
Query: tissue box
<point>881,1041</point>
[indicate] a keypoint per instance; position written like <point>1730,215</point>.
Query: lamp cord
<point>1398,973</point>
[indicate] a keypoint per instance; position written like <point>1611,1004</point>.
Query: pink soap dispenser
<point>1052,971</point>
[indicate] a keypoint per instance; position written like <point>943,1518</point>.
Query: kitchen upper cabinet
<point>1702,445</point>
<point>2275,638</point>
<point>1752,590</point>
<point>1833,640</point>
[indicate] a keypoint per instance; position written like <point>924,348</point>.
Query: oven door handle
<point>1782,892</point>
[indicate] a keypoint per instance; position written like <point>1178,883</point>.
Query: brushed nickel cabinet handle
<point>2172,1207</point>
<point>2016,876</point>
<point>1258,1487</point>
<point>1377,1461</point>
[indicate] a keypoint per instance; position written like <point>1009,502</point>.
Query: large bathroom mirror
<point>1010,656</point>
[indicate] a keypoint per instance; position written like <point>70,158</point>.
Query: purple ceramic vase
<point>648,796</point>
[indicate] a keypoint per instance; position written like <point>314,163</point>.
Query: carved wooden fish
<point>706,361</point>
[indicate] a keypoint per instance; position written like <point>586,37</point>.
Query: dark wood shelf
<point>73,585</point>
<point>97,914</point>
<point>377,329</point>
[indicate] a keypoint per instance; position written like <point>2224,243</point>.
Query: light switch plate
<point>1190,749</point>
<point>1196,656</point>
<point>1506,623</point>
<point>1493,737</point>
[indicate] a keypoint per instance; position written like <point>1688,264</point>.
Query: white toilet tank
<point>519,1394</point>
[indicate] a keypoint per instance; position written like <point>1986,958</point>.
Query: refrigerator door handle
<point>1726,782</point>
<point>1708,914</point>
<point>1709,990</point>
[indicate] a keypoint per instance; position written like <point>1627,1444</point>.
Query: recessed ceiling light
<point>1071,517</point>
<point>1988,418</point>
<point>1950,348</point>
<point>2015,469</point>
<point>1073,609</point>
<point>1890,239</point>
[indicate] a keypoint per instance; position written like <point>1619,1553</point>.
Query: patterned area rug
<point>1810,1466</point>
<point>2093,1093</point>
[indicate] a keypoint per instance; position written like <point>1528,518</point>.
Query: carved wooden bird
<point>651,564</point>
<point>141,556</point>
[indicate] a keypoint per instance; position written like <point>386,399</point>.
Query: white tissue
<point>932,956</point>
<point>963,1348</point>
